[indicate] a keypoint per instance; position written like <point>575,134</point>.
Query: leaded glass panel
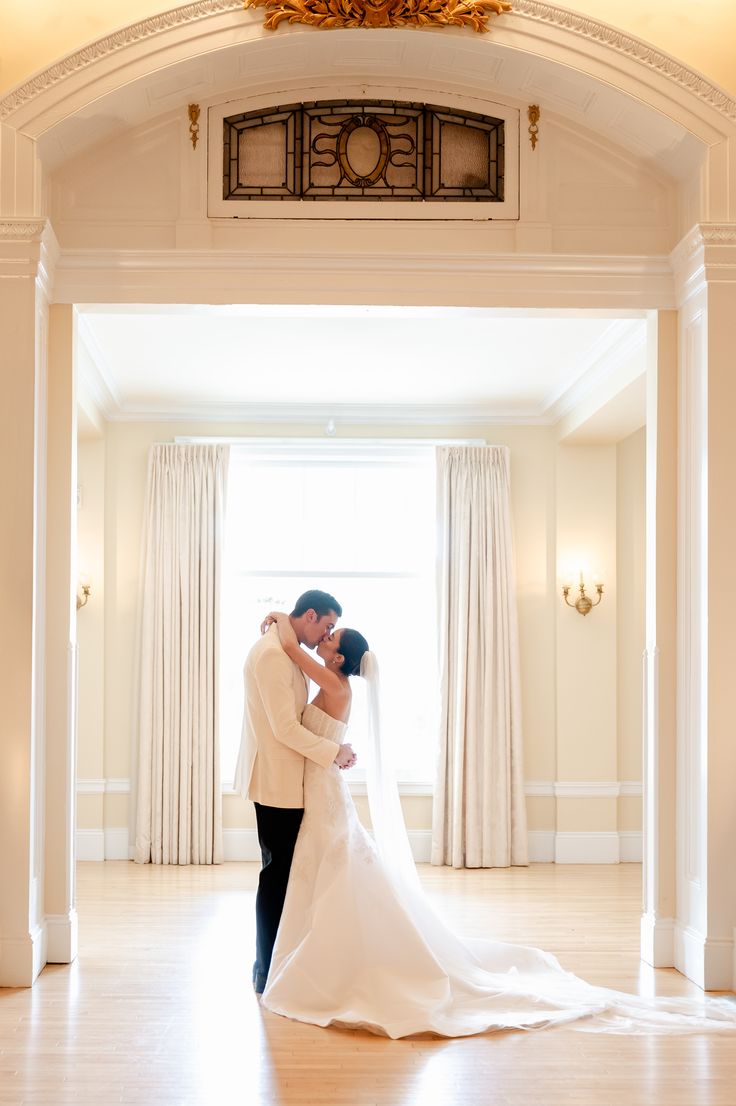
<point>363,150</point>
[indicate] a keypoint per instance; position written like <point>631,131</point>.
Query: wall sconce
<point>86,589</point>
<point>583,604</point>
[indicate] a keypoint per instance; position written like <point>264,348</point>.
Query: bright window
<point>357,521</point>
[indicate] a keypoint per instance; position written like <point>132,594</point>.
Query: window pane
<point>369,540</point>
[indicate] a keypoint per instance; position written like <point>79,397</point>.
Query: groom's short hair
<point>318,601</point>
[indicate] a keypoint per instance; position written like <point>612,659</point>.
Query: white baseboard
<point>545,846</point>
<point>421,845</point>
<point>657,941</point>
<point>117,844</point>
<point>22,958</point>
<point>587,848</point>
<point>548,847</point>
<point>62,937</point>
<point>705,960</point>
<point>104,844</point>
<point>541,846</point>
<point>90,844</point>
<point>631,848</point>
<point>242,844</point>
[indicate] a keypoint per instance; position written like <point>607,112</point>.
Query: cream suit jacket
<point>273,744</point>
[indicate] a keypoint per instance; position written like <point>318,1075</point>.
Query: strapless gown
<point>354,949</point>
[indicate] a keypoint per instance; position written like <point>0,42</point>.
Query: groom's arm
<point>274,673</point>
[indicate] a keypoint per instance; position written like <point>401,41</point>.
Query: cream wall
<point>37,34</point>
<point>631,637</point>
<point>91,629</point>
<point>574,721</point>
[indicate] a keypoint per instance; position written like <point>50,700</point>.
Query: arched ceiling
<point>400,64</point>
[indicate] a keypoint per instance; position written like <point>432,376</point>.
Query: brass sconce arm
<point>583,604</point>
<point>82,602</point>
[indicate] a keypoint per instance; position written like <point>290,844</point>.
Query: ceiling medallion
<point>332,14</point>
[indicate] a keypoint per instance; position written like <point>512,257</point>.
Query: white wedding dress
<point>360,945</point>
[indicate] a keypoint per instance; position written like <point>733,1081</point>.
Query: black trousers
<point>278,828</point>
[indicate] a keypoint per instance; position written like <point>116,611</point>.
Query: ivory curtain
<point>479,815</point>
<point>179,809</point>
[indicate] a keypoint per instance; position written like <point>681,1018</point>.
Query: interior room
<point>565,391</point>
<point>335,246</point>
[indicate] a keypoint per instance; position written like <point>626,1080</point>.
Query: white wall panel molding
<point>582,789</point>
<point>103,786</point>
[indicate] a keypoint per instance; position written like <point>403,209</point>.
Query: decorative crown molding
<point>535,10</point>
<point>22,230</point>
<point>635,48</point>
<point>112,44</point>
<point>702,235</point>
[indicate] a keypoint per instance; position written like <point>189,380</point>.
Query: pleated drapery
<point>479,815</point>
<point>179,808</point>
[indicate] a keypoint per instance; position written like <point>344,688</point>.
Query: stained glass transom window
<point>368,150</point>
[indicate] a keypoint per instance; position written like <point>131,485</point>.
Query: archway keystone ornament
<point>331,14</point>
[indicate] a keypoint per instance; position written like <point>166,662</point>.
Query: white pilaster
<point>705,271</point>
<point>26,257</point>
<point>660,676</point>
<point>61,646</point>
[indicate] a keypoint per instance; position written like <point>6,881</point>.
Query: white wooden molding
<point>658,941</point>
<point>704,960</point>
<point>545,846</point>
<point>532,789</point>
<point>62,937</point>
<point>587,848</point>
<point>530,19</point>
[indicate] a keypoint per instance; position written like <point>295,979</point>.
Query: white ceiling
<point>357,364</point>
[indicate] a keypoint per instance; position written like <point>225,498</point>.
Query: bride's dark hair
<point>352,646</point>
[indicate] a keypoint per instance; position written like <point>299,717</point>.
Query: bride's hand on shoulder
<point>269,620</point>
<point>283,625</point>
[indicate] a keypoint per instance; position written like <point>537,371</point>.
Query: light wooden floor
<point>158,1008</point>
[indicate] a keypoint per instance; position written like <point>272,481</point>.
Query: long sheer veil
<point>490,982</point>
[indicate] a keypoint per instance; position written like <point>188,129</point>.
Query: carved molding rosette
<point>332,14</point>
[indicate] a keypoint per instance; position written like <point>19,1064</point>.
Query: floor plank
<point>158,1009</point>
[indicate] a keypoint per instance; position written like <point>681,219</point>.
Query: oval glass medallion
<point>363,151</point>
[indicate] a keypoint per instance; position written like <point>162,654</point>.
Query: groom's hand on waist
<point>345,758</point>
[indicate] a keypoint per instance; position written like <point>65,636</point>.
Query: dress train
<point>359,944</point>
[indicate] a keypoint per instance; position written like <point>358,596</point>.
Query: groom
<point>273,746</point>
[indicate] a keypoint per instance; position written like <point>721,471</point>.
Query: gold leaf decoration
<point>331,14</point>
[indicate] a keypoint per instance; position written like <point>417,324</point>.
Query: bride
<point>359,944</point>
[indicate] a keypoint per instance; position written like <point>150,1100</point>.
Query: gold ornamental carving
<point>332,14</point>
<point>533,114</point>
